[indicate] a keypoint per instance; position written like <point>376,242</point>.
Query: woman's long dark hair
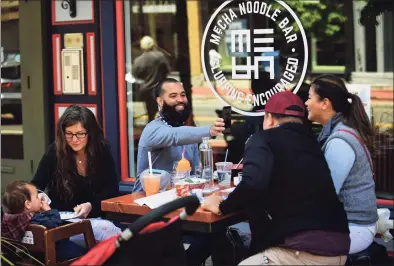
<point>66,168</point>
<point>349,104</point>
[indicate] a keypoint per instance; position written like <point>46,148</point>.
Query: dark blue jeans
<point>66,249</point>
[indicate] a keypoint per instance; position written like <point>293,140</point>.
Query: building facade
<point>81,52</point>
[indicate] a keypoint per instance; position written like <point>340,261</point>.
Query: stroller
<point>147,240</point>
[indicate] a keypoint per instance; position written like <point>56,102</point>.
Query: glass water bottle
<point>206,163</point>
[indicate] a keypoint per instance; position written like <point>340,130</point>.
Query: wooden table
<point>124,209</point>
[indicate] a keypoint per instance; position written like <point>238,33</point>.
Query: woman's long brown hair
<point>66,167</point>
<point>350,105</point>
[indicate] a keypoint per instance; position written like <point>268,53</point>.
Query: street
<point>205,104</point>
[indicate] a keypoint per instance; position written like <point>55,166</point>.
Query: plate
<point>192,182</point>
<point>68,215</point>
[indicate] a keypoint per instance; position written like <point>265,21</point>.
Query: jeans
<point>102,229</point>
<point>361,237</point>
<point>66,249</point>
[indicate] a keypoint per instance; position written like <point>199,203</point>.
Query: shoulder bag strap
<point>362,145</point>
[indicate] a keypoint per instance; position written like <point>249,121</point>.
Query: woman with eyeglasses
<point>346,140</point>
<point>78,169</point>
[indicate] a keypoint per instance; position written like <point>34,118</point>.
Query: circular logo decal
<point>252,50</point>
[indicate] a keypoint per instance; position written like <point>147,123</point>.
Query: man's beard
<point>173,117</point>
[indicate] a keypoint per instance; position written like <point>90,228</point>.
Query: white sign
<point>364,92</point>
<point>28,238</point>
<point>72,71</point>
<point>62,109</point>
<point>61,10</point>
<point>147,9</point>
<point>256,47</point>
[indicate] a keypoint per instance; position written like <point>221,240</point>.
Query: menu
<point>158,199</point>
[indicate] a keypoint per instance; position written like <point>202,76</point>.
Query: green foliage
<point>319,18</point>
<point>13,252</point>
<point>373,9</point>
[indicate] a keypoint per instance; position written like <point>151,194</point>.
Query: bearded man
<point>166,137</point>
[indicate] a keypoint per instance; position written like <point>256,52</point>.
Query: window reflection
<point>157,20</point>
<point>338,44</point>
<point>11,91</point>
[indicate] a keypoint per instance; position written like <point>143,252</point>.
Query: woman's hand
<point>83,209</point>
<point>212,204</point>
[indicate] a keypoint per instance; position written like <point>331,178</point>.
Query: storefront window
<point>156,19</point>
<point>11,91</point>
<point>337,45</point>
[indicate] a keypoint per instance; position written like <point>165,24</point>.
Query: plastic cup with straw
<point>223,170</point>
<point>150,162</point>
<point>236,167</point>
<point>151,181</point>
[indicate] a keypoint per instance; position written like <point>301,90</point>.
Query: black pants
<point>204,245</point>
<point>150,103</point>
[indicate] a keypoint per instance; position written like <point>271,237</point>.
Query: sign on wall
<point>72,12</point>
<point>364,92</point>
<point>72,71</point>
<point>61,107</point>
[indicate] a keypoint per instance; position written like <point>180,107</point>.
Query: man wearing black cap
<point>287,191</point>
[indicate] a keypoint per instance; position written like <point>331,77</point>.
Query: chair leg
<point>89,236</point>
<point>50,253</point>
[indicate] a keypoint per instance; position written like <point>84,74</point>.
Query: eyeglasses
<point>79,135</point>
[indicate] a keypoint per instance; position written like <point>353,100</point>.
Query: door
<point>23,115</point>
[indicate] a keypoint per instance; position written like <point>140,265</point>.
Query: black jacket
<point>286,187</point>
<point>93,189</point>
<point>50,219</point>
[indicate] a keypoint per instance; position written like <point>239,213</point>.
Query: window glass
<point>11,91</point>
<point>342,40</point>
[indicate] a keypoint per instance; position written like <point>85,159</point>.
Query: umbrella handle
<point>190,203</point>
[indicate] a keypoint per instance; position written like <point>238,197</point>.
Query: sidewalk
<point>377,94</point>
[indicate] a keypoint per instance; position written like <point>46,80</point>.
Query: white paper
<point>76,220</point>
<point>28,238</point>
<point>157,200</point>
<point>229,190</point>
<point>131,79</point>
<point>364,92</point>
<point>384,224</point>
